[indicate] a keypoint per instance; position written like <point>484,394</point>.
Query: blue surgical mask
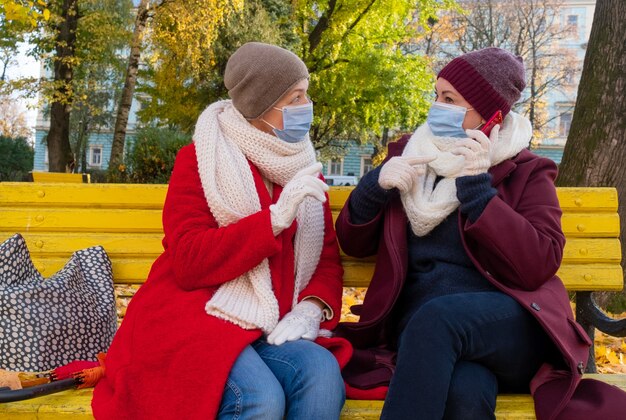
<point>446,120</point>
<point>297,121</point>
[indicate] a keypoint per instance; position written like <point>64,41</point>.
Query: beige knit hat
<point>258,74</point>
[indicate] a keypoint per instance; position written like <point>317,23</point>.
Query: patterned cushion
<point>48,323</point>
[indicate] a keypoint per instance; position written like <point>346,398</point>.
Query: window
<point>366,164</point>
<point>572,25</point>
<point>95,156</point>
<point>565,121</point>
<point>572,20</point>
<point>335,167</point>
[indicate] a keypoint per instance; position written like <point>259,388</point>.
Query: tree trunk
<point>596,146</point>
<point>59,151</point>
<point>126,100</point>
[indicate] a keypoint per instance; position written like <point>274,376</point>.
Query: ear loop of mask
<point>479,126</point>
<point>281,110</point>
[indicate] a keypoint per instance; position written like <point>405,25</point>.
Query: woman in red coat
<point>464,302</point>
<point>250,274</point>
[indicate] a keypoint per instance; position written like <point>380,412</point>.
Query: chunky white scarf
<point>225,142</point>
<point>426,204</point>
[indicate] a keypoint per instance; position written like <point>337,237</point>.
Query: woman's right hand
<point>305,183</point>
<point>400,172</point>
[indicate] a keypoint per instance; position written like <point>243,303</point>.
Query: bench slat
<point>76,405</point>
<point>152,196</point>
<point>581,225</point>
<point>149,220</point>
<point>47,244</point>
<point>570,198</point>
<point>125,270</point>
<point>576,277</point>
<point>84,220</point>
<point>590,224</point>
<point>45,195</point>
<point>63,244</point>
<point>587,198</point>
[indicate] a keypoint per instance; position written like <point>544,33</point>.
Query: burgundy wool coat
<point>517,244</point>
<point>169,359</point>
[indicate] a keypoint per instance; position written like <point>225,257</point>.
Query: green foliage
<point>103,33</point>
<point>176,89</point>
<point>24,12</point>
<point>152,156</point>
<point>97,66</point>
<point>16,158</point>
<point>362,81</point>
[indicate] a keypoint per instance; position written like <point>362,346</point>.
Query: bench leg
<point>582,300</point>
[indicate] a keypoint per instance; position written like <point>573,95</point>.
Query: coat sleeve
<point>327,280</point>
<point>205,255</point>
<point>521,243</point>
<point>358,240</point>
<point>361,240</point>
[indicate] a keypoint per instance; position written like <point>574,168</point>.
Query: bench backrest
<point>58,219</point>
<point>60,177</point>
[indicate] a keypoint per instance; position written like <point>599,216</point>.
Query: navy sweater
<point>437,263</point>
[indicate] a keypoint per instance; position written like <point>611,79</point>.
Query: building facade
<point>576,17</point>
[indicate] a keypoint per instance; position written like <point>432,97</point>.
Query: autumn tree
<point>99,71</point>
<point>180,33</point>
<point>63,28</point>
<point>176,90</point>
<point>13,121</point>
<point>76,35</point>
<point>595,151</point>
<point>362,80</point>
<point>126,97</point>
<point>24,12</point>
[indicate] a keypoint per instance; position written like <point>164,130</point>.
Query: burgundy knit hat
<point>490,79</point>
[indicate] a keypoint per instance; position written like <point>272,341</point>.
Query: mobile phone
<point>495,119</point>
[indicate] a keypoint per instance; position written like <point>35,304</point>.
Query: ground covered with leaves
<point>610,351</point>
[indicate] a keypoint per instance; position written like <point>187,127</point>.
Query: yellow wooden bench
<point>58,219</point>
<point>60,177</point>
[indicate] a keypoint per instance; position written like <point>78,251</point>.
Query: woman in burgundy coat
<point>464,302</point>
<point>250,274</point>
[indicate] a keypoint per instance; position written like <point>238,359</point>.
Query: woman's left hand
<point>477,151</point>
<point>302,322</point>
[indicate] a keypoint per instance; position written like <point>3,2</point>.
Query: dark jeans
<point>457,351</point>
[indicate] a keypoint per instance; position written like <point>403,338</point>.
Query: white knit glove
<point>400,172</point>
<point>477,151</point>
<point>304,184</point>
<point>302,322</point>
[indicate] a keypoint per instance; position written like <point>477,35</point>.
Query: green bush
<point>16,159</point>
<point>151,158</point>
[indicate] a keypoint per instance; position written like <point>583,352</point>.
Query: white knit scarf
<point>225,142</point>
<point>426,204</point>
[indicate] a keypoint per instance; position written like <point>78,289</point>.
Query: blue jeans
<point>457,351</point>
<point>296,380</point>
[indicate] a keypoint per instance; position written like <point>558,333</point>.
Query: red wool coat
<point>170,359</point>
<point>517,244</point>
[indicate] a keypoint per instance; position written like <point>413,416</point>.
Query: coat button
<point>535,306</point>
<point>581,368</point>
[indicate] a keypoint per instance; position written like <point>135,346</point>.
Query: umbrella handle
<point>38,390</point>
